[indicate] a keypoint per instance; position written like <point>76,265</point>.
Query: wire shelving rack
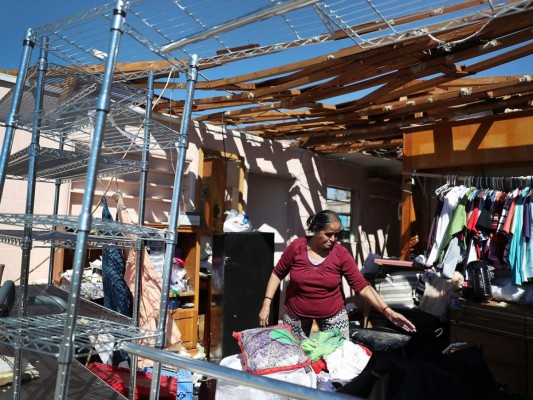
<point>87,105</point>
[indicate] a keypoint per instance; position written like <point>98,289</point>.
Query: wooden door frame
<point>203,154</point>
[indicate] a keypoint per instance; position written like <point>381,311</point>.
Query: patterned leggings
<point>301,327</point>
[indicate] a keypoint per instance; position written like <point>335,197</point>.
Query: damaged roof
<point>332,76</point>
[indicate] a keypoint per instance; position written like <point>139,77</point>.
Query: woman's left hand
<point>399,320</point>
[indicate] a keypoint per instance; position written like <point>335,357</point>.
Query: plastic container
<point>184,378</point>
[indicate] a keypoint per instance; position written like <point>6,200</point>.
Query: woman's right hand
<point>272,286</point>
<point>264,314</point>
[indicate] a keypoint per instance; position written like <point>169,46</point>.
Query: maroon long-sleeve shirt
<point>315,291</point>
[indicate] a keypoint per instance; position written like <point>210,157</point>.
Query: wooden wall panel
<point>452,146</point>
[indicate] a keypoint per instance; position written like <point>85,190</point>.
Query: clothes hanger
<point>443,187</point>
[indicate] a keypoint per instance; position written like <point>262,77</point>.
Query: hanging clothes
<point>434,223</point>
<point>526,236</point>
<point>488,224</point>
<point>150,295</point>
<point>117,295</point>
<point>529,244</point>
<point>451,199</point>
<point>515,253</point>
<point>457,222</point>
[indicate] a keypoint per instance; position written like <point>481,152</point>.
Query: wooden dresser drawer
<point>504,332</point>
<point>491,320</point>
<point>494,347</point>
<point>529,328</point>
<point>529,376</point>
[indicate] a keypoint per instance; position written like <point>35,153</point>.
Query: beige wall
<point>297,180</point>
<point>303,177</point>
<point>309,175</point>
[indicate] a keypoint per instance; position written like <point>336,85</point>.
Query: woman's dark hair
<point>321,219</point>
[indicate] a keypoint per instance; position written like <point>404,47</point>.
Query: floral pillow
<point>271,349</point>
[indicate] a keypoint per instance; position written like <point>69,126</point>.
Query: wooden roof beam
<point>476,81</point>
<point>212,103</point>
<point>478,67</point>
<point>355,146</point>
<point>296,125</point>
<point>493,105</point>
<point>452,98</point>
<point>437,81</point>
<point>424,103</point>
<point>377,25</point>
<point>203,85</point>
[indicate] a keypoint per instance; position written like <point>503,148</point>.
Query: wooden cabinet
<point>213,190</point>
<point>504,332</point>
<point>187,321</point>
<point>186,315</point>
<point>529,345</point>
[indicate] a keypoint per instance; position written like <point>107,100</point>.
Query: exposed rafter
<point>394,66</point>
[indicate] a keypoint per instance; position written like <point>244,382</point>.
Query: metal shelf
<point>68,115</point>
<point>66,166</point>
<point>90,114</point>
<point>44,334</point>
<point>104,229</point>
<point>63,86</point>
<point>172,31</point>
<point>66,240</point>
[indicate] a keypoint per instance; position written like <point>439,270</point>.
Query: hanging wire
<point>114,175</point>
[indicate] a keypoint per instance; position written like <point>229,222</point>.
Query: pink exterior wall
<point>297,181</point>
<point>14,201</point>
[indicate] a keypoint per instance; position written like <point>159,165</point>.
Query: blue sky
<point>18,15</point>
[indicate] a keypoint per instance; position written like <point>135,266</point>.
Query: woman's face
<point>326,237</point>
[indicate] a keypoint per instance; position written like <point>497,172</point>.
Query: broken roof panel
<point>376,67</point>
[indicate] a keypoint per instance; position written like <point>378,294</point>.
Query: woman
<point>316,265</point>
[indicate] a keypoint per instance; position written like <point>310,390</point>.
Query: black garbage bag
<point>461,375</point>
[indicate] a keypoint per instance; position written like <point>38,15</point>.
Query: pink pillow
<point>271,349</point>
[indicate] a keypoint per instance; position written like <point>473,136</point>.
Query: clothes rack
<point>484,219</point>
<point>500,182</point>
